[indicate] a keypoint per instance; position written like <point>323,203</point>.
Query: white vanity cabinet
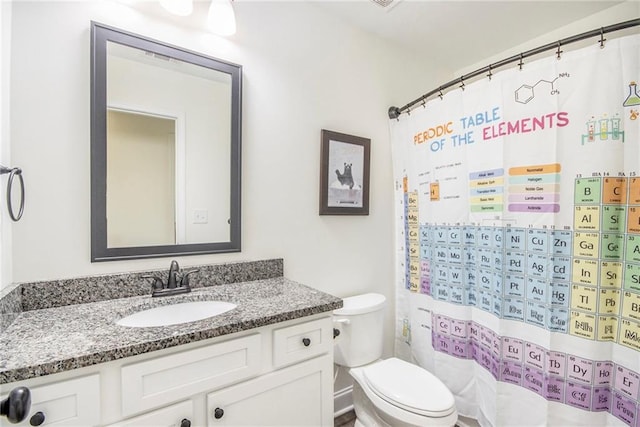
<point>276,375</point>
<point>151,383</point>
<point>294,396</point>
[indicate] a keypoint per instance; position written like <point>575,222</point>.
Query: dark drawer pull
<point>218,413</point>
<point>306,342</point>
<point>37,419</point>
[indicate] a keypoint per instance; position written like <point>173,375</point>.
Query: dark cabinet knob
<point>185,423</point>
<point>37,419</point>
<point>306,342</point>
<point>336,332</point>
<point>218,413</point>
<point>17,405</point>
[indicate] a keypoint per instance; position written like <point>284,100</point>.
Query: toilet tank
<point>360,322</point>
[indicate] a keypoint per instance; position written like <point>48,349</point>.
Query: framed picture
<point>344,174</point>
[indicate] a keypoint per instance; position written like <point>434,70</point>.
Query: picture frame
<point>344,174</point>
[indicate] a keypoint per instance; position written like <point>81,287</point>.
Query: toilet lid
<point>409,387</point>
<point>360,304</point>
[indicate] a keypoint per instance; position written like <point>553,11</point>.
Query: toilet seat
<point>409,387</point>
<point>413,409</point>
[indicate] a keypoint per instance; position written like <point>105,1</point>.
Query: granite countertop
<point>52,340</point>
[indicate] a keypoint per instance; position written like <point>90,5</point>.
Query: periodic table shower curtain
<point>518,240</point>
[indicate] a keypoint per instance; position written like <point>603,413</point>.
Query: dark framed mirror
<point>165,149</point>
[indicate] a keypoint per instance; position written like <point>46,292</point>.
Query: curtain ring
<point>558,52</point>
<point>602,39</point>
<point>441,95</point>
<point>462,81</point>
<point>12,173</point>
<point>490,73</point>
<point>520,64</point>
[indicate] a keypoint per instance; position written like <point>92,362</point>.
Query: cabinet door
<point>66,403</point>
<point>301,395</point>
<point>179,415</point>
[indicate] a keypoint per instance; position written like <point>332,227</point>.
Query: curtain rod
<point>394,112</point>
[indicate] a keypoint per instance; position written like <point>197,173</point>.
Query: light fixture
<point>221,19</point>
<point>178,7</point>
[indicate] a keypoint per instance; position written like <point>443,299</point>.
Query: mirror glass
<point>165,149</point>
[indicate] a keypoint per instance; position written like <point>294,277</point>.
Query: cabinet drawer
<point>153,383</point>
<point>169,416</point>
<point>66,403</point>
<point>302,341</point>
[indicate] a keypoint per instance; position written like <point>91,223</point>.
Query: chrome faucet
<point>173,285</point>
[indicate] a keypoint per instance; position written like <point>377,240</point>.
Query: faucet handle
<point>157,282</point>
<point>184,282</point>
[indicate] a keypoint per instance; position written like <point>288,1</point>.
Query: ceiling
<point>462,33</point>
<point>454,33</point>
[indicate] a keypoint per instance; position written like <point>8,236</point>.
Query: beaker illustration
<point>604,128</point>
<point>615,125</point>
<point>633,98</point>
<point>591,128</point>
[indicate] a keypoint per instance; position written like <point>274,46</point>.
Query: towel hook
<point>12,174</point>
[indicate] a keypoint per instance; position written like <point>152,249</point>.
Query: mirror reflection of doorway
<point>141,181</point>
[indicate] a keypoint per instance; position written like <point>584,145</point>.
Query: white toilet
<point>388,392</point>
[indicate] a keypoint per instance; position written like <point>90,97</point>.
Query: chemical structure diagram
<point>526,93</point>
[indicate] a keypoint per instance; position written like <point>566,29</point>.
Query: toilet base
<point>366,414</point>
<point>358,424</point>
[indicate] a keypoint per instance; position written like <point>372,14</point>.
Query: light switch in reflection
<point>200,217</point>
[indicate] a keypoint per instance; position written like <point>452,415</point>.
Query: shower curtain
<point>518,240</point>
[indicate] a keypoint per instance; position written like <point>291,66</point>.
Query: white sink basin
<point>175,314</point>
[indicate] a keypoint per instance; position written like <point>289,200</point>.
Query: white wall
<point>6,275</point>
<point>622,12</point>
<point>303,71</point>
